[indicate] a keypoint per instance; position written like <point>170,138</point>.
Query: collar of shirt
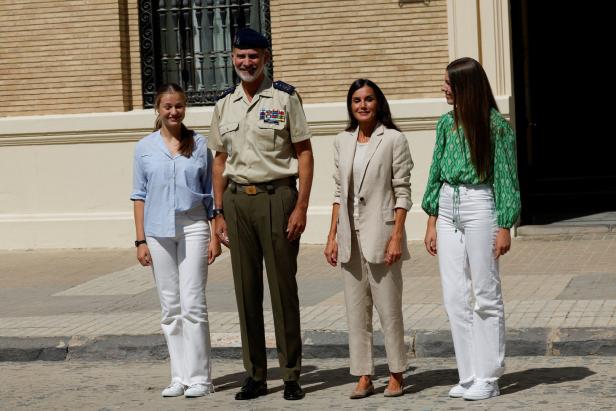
<point>265,90</point>
<point>160,143</point>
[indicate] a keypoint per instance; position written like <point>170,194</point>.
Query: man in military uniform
<point>262,143</point>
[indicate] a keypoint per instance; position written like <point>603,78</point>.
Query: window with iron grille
<point>188,42</point>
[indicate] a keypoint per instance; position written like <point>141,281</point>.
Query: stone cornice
<point>410,115</point>
<point>325,128</point>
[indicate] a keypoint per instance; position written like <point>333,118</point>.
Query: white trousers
<point>466,230</point>
<point>367,285</point>
<point>180,270</point>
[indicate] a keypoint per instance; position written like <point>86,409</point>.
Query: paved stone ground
<point>531,383</point>
<point>556,285</point>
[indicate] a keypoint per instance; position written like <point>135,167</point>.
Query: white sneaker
<point>459,390</point>
<point>175,389</point>
<point>198,390</point>
<point>482,390</point>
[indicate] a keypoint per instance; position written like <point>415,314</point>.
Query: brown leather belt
<point>267,187</point>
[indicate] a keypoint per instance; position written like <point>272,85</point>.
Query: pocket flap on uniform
<point>273,126</point>
<point>225,128</point>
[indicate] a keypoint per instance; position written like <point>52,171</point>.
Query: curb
<point>317,344</point>
<point>548,230</point>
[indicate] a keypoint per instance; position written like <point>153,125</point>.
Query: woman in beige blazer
<point>373,194</point>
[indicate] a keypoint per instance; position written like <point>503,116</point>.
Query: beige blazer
<point>385,185</point>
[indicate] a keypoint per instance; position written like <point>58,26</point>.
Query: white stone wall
<point>66,180</point>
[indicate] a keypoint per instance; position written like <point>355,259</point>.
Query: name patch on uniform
<point>272,116</point>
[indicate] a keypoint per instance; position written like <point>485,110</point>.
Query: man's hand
<point>220,226</point>
<point>220,183</point>
<point>296,224</point>
<point>213,249</point>
<point>297,220</point>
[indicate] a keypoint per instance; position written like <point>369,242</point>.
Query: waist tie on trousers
<point>456,208</point>
<point>455,199</point>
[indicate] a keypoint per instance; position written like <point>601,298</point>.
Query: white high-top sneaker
<point>481,390</point>
<point>175,389</point>
<point>459,390</point>
<point>198,390</point>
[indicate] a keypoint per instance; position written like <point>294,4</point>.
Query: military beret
<point>247,38</point>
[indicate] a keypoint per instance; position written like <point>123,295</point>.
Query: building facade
<point>73,101</point>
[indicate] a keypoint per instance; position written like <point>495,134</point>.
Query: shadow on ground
<point>314,379</point>
<point>523,380</point>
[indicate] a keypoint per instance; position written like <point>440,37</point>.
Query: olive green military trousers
<point>257,232</point>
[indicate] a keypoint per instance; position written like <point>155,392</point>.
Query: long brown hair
<point>472,104</point>
<point>187,140</point>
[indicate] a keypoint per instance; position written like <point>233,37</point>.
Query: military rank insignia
<point>272,116</point>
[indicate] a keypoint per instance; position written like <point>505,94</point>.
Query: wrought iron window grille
<point>188,42</point>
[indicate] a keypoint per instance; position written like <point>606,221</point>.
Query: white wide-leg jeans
<point>180,270</point>
<point>466,230</point>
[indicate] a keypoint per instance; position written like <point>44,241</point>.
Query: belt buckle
<point>250,190</point>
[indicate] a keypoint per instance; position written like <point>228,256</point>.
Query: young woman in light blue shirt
<point>172,196</point>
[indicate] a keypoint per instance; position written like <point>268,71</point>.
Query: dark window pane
<point>189,41</point>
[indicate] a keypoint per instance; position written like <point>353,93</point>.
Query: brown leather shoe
<point>398,391</point>
<point>394,393</point>
<point>359,393</point>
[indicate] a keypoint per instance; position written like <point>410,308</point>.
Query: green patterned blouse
<point>452,164</point>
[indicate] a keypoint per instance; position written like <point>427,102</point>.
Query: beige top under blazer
<point>385,186</point>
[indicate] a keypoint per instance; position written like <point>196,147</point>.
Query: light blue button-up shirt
<point>171,184</point>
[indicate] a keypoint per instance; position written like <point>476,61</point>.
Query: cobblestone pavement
<point>530,383</point>
<point>550,283</point>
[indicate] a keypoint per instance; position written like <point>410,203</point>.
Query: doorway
<point>563,94</point>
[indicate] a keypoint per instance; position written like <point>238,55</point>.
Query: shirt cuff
<point>300,139</point>
<point>137,195</point>
<point>403,203</point>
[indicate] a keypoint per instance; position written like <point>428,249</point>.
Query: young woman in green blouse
<point>473,199</point>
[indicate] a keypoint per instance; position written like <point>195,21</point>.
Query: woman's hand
<point>430,238</point>
<point>143,252</point>
<point>502,244</point>
<point>213,249</point>
<point>143,255</point>
<point>393,251</point>
<point>331,251</point>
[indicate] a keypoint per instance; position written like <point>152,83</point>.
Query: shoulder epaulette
<point>281,85</point>
<point>226,92</point>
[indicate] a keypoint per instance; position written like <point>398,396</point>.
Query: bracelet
<point>139,242</point>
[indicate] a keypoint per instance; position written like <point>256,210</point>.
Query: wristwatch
<point>216,212</point>
<point>139,242</point>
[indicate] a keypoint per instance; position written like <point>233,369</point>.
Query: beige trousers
<point>365,285</point>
